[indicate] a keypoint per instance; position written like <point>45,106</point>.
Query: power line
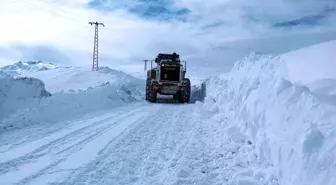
<point>64,10</point>
<point>33,6</point>
<point>95,46</point>
<point>57,13</point>
<point>54,13</point>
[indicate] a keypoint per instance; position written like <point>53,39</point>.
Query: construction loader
<point>168,78</point>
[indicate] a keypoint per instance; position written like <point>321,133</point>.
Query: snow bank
<point>289,126</point>
<point>59,78</point>
<point>25,100</point>
<point>14,91</point>
<point>63,106</point>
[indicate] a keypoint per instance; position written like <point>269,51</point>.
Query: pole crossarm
<point>97,23</point>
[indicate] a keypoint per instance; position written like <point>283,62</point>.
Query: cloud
<point>152,10</point>
<point>139,29</point>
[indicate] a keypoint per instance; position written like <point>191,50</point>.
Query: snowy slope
<point>59,78</point>
<point>27,66</point>
<point>25,101</point>
<point>77,78</point>
<point>290,127</point>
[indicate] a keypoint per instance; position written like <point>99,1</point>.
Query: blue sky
<point>164,10</point>
<point>161,10</point>
<point>58,31</point>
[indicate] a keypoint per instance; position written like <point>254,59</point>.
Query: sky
<point>58,31</point>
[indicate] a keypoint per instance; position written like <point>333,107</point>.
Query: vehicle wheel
<point>180,97</point>
<point>185,95</point>
<point>148,83</point>
<point>152,95</point>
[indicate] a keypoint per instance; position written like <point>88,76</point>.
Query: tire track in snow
<point>43,143</point>
<point>43,146</point>
<point>78,159</point>
<point>194,164</point>
<point>52,158</point>
<point>19,138</point>
<point>175,145</point>
<point>215,154</point>
<point>141,155</point>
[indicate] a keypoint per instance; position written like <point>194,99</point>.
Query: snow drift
<point>25,101</point>
<point>14,91</point>
<point>290,127</point>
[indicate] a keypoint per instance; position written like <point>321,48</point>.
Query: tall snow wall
<point>290,127</point>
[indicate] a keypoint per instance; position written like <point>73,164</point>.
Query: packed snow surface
<point>139,143</point>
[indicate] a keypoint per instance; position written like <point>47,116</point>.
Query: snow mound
<point>290,127</point>
<point>64,79</point>
<point>14,91</point>
<point>27,66</point>
<point>22,103</point>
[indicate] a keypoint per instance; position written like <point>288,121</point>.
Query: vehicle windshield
<point>166,60</point>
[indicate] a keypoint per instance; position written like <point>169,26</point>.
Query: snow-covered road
<point>137,144</point>
<point>67,149</point>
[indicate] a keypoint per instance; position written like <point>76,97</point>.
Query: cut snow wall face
<point>12,90</point>
<point>289,126</point>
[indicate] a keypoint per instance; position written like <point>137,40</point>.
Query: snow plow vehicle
<point>168,78</point>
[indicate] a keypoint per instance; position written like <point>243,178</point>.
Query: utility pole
<point>95,46</point>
